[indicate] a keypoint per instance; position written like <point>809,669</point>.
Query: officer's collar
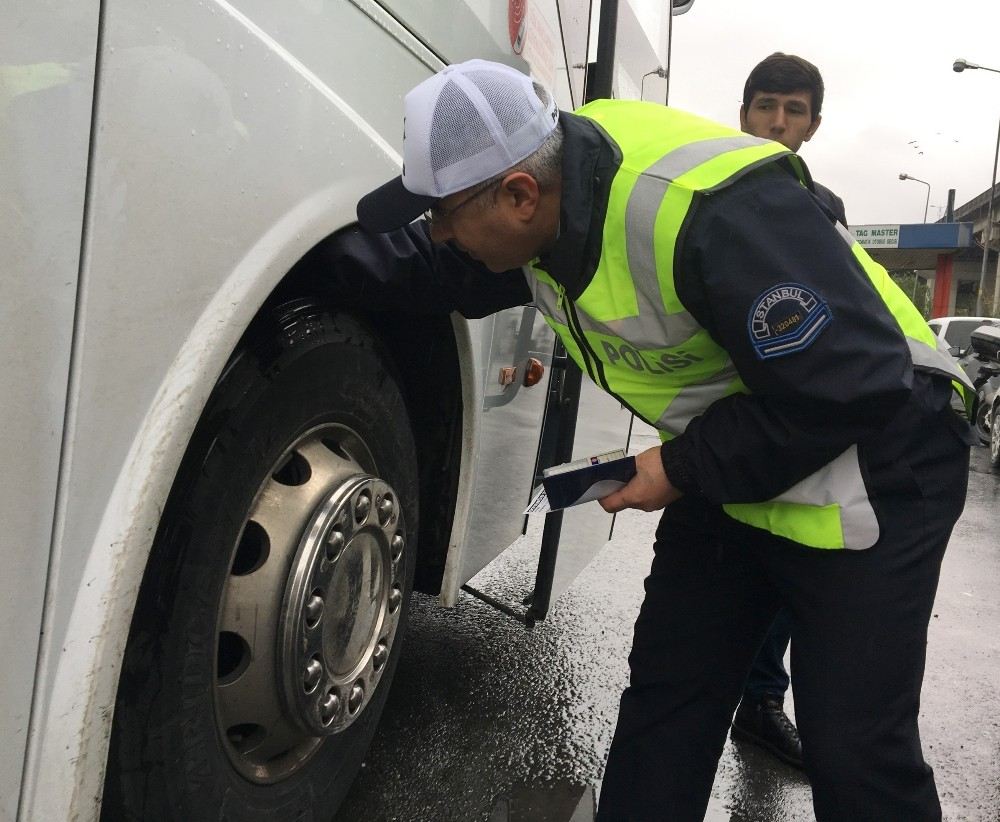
<point>590,161</point>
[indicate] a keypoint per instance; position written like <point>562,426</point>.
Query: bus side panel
<point>46,88</point>
<point>502,422</point>
<point>524,35</point>
<point>219,159</point>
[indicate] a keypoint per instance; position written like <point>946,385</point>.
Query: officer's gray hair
<point>545,164</point>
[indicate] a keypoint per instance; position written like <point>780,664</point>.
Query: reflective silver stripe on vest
<point>937,361</point>
<point>694,399</point>
<point>845,234</point>
<point>640,249</point>
<point>647,330</point>
<point>691,155</point>
<point>840,482</point>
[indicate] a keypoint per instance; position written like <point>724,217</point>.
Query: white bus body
<point>164,167</point>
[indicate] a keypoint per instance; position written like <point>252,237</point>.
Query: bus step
<point>558,802</point>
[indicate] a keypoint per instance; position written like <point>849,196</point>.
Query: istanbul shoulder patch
<point>785,319</point>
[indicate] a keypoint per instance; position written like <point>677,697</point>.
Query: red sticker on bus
<point>517,21</point>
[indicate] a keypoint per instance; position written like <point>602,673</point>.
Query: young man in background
<point>782,100</point>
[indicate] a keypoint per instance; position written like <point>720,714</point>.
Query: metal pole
<point>996,289</point>
<point>988,232</point>
<point>604,71</point>
<point>927,199</point>
<point>566,392</point>
<point>670,40</point>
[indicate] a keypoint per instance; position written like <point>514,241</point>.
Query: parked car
<point>957,331</point>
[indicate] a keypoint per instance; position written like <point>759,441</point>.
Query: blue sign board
<point>944,236</point>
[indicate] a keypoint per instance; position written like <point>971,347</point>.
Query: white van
<point>956,331</point>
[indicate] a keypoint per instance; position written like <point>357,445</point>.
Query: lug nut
<point>356,697</point>
<point>385,510</point>
<point>312,676</point>
<point>395,598</point>
<point>380,656</point>
<point>334,544</point>
<point>314,610</point>
<point>362,507</point>
<point>329,707</point>
<point>397,547</point>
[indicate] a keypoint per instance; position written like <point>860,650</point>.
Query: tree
<point>916,287</point>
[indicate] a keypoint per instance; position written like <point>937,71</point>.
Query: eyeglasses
<point>436,213</point>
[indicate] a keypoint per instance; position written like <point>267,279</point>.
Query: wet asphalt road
<point>480,707</point>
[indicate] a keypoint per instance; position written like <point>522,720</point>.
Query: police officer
<point>810,458</point>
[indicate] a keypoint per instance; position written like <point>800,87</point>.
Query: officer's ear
<point>743,118</point>
<point>520,193</point>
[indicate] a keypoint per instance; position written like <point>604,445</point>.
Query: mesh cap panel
<point>467,134</point>
<point>466,124</point>
<point>507,99</point>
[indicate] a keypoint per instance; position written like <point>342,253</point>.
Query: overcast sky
<point>887,69</point>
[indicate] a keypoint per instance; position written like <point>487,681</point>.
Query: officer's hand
<point>648,490</point>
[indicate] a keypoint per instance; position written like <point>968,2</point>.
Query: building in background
<point>940,264</point>
<point>968,264</point>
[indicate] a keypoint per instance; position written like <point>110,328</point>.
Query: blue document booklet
<point>584,480</point>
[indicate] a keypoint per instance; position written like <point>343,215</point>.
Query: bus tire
<point>268,626</point>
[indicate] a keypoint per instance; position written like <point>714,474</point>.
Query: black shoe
<point>763,722</point>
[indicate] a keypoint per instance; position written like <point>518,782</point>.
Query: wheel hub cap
<point>310,608</point>
<point>341,606</point>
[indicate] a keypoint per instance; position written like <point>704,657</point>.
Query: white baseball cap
<point>466,124</point>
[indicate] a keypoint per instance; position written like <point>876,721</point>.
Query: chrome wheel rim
<point>310,608</point>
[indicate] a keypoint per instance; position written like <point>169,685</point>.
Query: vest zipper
<point>565,304</point>
<point>595,368</point>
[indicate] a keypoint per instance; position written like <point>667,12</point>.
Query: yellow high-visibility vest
<point>631,333</point>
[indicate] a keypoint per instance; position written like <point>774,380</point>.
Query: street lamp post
<point>961,65</point>
<point>927,202</point>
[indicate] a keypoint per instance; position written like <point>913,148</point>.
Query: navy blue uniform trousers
<point>859,638</point>
<point>768,676</point>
